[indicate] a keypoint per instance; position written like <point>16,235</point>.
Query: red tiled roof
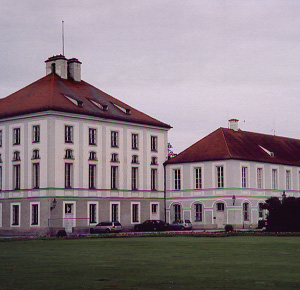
<point>225,144</point>
<point>48,93</point>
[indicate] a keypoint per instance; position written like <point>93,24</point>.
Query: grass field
<point>151,263</point>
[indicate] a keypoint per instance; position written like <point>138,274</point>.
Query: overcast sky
<point>192,64</point>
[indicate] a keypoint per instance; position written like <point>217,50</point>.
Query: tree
<point>283,214</point>
<point>170,151</point>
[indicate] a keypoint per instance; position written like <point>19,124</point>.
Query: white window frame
<point>244,175</point>
<point>92,136</point>
<point>288,179</point>
<point>111,211</point>
<point>201,212</point>
<point>36,133</point>
<point>1,138</point>
<point>1,213</point>
<point>220,176</point>
<point>177,178</point>
<point>154,143</point>
<point>38,215</point>
<point>259,177</point>
<point>1,178</point>
<point>154,179</point>
<point>198,180</point>
<point>114,177</point>
<point>69,134</point>
<point>12,215</point>
<point>157,208</point>
<point>69,175</point>
<point>134,178</point>
<point>114,139</point>
<point>96,203</point>
<point>138,204</point>
<point>36,173</point>
<point>274,178</point>
<point>16,177</point>
<point>17,136</point>
<point>134,141</point>
<point>246,211</point>
<point>92,176</point>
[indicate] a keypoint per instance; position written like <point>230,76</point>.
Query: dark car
<point>106,227</point>
<point>180,225</point>
<point>151,225</point>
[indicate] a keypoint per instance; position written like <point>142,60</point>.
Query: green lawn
<point>152,263</point>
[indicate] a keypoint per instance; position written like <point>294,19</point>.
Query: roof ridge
<point>226,144</point>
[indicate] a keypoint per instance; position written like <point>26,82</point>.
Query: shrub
<point>228,228</point>
<point>61,233</point>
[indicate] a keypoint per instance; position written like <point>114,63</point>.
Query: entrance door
<point>220,215</point>
<point>69,220</point>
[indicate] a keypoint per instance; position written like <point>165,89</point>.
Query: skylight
<point>100,106</point>
<point>124,110</point>
<point>267,151</point>
<point>75,102</point>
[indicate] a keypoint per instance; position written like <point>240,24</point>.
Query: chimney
<point>74,69</point>
<point>234,124</point>
<point>57,64</point>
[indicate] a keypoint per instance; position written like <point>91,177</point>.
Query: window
<point>17,176</point>
<point>114,157</point>
<point>288,179</point>
<point>68,175</point>
<point>154,143</point>
<point>135,159</point>
<point>68,134</point>
<point>198,212</point>
<point>16,136</point>
<point>0,138</point>
<point>114,212</point>
<point>93,156</point>
<point>220,176</point>
<point>68,208</point>
<point>93,213</point>
<point>15,215</point>
<point>244,177</point>
<point>92,176</point>
<point>153,160</point>
<point>134,178</point>
<point>114,139</point>
<point>153,179</point>
<point>114,177</point>
<point>35,175</point>
<point>0,158</point>
<point>177,212</point>
<point>154,208</point>
<point>220,206</point>
<point>134,141</point>
<point>274,178</point>
<point>35,154</point>
<point>92,136</point>
<point>260,210</point>
<point>36,134</point>
<point>16,156</point>
<point>135,213</point>
<point>0,178</point>
<point>259,178</point>
<point>69,154</point>
<point>177,181</point>
<point>34,214</point>
<point>246,211</point>
<point>198,178</point>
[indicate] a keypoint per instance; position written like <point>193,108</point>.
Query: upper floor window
<point>69,154</point>
<point>16,156</point>
<point>114,177</point>
<point>17,176</point>
<point>220,176</point>
<point>36,134</point>
<point>69,134</point>
<point>114,139</point>
<point>134,178</point>
<point>135,159</point>
<point>68,175</point>
<point>0,178</point>
<point>17,136</point>
<point>153,160</point>
<point>177,179</point>
<point>288,179</point>
<point>259,177</point>
<point>114,157</point>
<point>134,141</point>
<point>93,156</point>
<point>198,178</point>
<point>35,175</point>
<point>274,179</point>
<point>153,143</point>
<point>153,179</point>
<point>35,154</point>
<point>0,138</point>
<point>244,177</point>
<point>92,136</point>
<point>0,159</point>
<point>92,176</point>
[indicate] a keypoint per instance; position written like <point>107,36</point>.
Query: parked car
<point>151,225</point>
<point>106,227</point>
<point>181,225</point>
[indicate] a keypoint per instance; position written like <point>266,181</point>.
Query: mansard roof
<point>53,93</point>
<point>225,144</point>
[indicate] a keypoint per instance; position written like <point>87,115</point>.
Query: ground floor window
<point>93,213</point>
<point>177,212</point>
<point>198,212</point>
<point>34,214</point>
<point>15,214</point>
<point>220,206</point>
<point>114,212</point>
<point>246,211</point>
<point>260,210</point>
<point>135,212</point>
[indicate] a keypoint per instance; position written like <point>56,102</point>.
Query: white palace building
<point>71,156</point>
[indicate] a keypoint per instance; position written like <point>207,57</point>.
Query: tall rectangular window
<point>288,179</point>
<point>154,208</point>
<point>198,212</point>
<point>153,179</point>
<point>68,175</point>
<point>92,136</point>
<point>260,210</point>
<point>36,134</point>
<point>1,136</point>
<point>154,143</point>
<point>198,178</point>
<point>177,179</point>
<point>134,178</point>
<point>244,177</point>
<point>135,213</point>
<point>274,179</point>
<point>135,141</point>
<point>92,176</point>
<point>259,178</point>
<point>114,177</point>
<point>114,212</point>
<point>0,177</point>
<point>34,214</point>
<point>114,139</point>
<point>17,136</point>
<point>69,134</point>
<point>17,176</point>
<point>246,211</point>
<point>15,214</point>
<point>220,176</point>
<point>93,213</point>
<point>35,175</point>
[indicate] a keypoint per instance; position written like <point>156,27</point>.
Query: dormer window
<point>69,154</point>
<point>114,157</point>
<point>75,102</point>
<point>93,156</point>
<point>135,159</point>
<point>100,106</point>
<point>35,154</point>
<point>124,110</point>
<point>16,156</point>
<point>153,160</point>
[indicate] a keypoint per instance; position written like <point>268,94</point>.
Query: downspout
<point>165,194</point>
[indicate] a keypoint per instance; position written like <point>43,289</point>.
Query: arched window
<point>246,211</point>
<point>135,159</point>
<point>198,212</point>
<point>114,157</point>
<point>16,156</point>
<point>69,154</point>
<point>35,154</point>
<point>93,155</point>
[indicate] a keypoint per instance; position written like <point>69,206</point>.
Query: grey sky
<point>192,64</point>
